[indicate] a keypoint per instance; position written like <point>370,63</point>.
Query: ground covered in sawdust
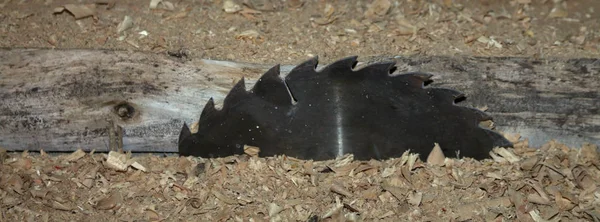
<point>290,31</point>
<point>552,183</point>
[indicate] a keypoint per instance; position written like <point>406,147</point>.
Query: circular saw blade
<point>338,110</point>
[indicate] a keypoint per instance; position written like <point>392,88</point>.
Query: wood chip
<point>398,192</point>
<point>78,154</point>
<point>138,166</point>
<point>154,3</point>
<point>274,209</point>
<point>251,150</point>
<point>230,6</point>
<point>107,203</point>
<point>378,8</point>
<point>558,11</point>
<point>78,11</point>
<point>589,153</point>
<point>116,161</point>
<point>436,156</point>
<point>510,156</point>
<point>59,206</point>
<point>126,24</point>
<point>471,210</point>
<point>414,198</point>
<point>336,188</point>
<point>224,198</point>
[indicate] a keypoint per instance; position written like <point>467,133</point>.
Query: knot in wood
<point>125,111</point>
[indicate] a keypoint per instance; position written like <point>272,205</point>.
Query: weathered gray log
<point>62,100</point>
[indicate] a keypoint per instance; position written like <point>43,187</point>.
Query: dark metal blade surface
<point>339,110</point>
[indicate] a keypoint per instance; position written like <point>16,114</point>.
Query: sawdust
<point>273,31</point>
<point>552,183</point>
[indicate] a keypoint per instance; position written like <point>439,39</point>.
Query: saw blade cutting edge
<point>341,109</point>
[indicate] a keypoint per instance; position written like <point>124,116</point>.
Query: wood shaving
<point>289,189</point>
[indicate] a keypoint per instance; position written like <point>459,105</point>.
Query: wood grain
<point>62,100</point>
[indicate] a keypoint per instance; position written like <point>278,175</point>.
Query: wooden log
<point>62,100</point>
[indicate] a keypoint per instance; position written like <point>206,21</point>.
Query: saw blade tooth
<point>308,65</point>
<point>269,77</point>
<point>184,135</point>
<point>236,94</point>
<point>208,111</point>
<point>447,94</point>
<point>480,115</point>
<point>185,132</point>
<point>417,78</point>
<point>498,139</point>
<point>300,76</point>
<point>383,69</point>
<point>425,77</point>
<point>273,72</point>
<point>408,79</point>
<point>342,66</point>
<point>270,87</point>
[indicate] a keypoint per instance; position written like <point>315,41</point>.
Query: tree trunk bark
<point>62,100</point>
